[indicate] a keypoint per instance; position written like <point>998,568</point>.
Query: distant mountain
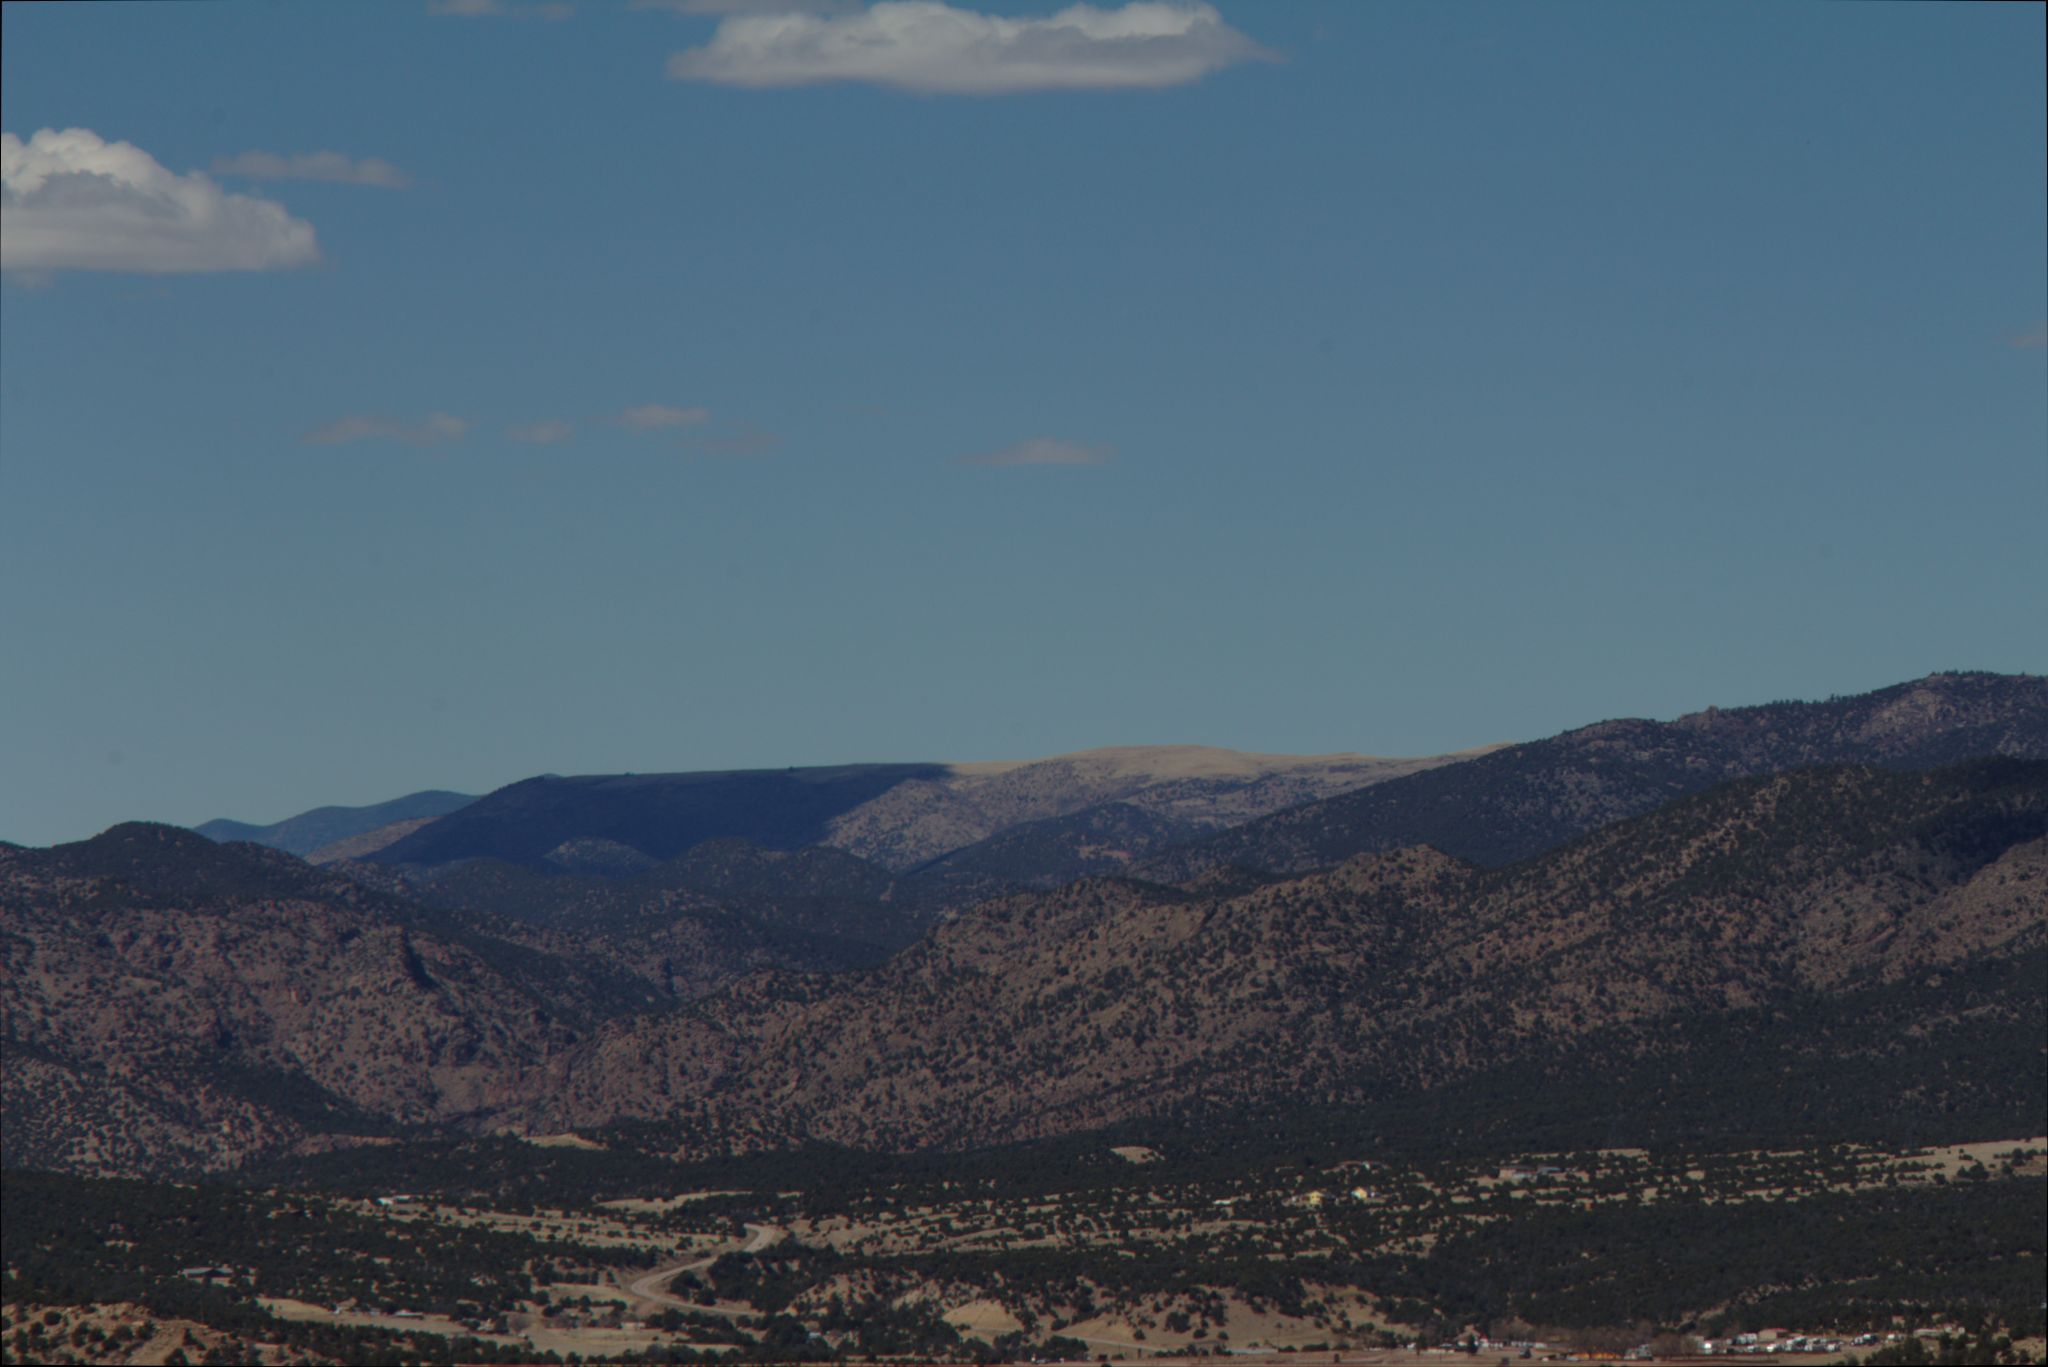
<point>1523,799</point>
<point>659,816</point>
<point>308,831</point>
<point>1196,786</point>
<point>897,816</point>
<point>1866,932</point>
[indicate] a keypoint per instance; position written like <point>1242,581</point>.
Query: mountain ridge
<point>1518,800</point>
<point>899,816</point>
<point>310,830</point>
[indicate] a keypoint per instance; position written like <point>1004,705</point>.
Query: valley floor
<point>1128,1252</point>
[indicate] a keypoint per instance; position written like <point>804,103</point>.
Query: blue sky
<point>651,389</point>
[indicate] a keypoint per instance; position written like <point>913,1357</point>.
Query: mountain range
<point>1851,894</point>
<point>1392,975</point>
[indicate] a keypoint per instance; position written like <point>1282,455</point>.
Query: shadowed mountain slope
<point>694,923</point>
<point>308,831</point>
<point>658,815</point>
<point>1523,799</point>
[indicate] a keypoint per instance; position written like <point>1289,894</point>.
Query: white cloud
<point>655,417</point>
<point>541,433</point>
<point>499,9</point>
<point>327,166</point>
<point>1042,451</point>
<point>927,46</point>
<point>437,428</point>
<point>71,201</point>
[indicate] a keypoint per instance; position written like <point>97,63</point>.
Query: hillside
<point>309,831</point>
<point>694,923</point>
<point>171,1003</point>
<point>1523,799</point>
<point>1099,840</point>
<point>368,843</point>
<point>1686,936</point>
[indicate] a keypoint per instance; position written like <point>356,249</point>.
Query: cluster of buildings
<point>1534,1172</point>
<point>1315,1200</point>
<point>1791,1341</point>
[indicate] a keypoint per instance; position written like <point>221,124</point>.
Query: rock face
<point>1395,973</point>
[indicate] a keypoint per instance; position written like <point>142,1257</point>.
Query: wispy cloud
<point>72,201</point>
<point>733,439</point>
<point>541,433</point>
<point>432,431</point>
<point>933,48</point>
<point>658,417</point>
<point>750,6</point>
<point>499,9</point>
<point>1041,451</point>
<point>2035,336</point>
<point>690,429</point>
<point>325,166</point>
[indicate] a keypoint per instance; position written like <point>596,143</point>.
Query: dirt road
<point>647,1287</point>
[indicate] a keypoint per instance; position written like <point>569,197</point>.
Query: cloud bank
<point>332,167</point>
<point>437,428</point>
<point>72,201</point>
<point>932,48</point>
<point>1041,451</point>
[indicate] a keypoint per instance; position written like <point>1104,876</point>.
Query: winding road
<point>647,1287</point>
